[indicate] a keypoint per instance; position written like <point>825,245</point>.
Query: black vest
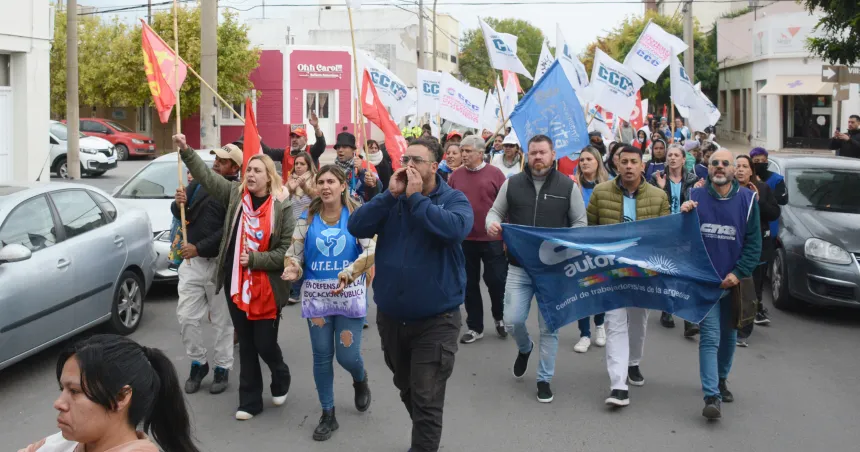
<point>546,209</point>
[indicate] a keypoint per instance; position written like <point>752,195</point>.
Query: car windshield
<point>156,181</point>
<point>119,127</point>
<point>60,131</point>
<point>836,190</point>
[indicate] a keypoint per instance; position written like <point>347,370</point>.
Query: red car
<point>128,142</point>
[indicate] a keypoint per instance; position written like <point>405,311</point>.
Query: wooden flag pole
<point>358,126</point>
<point>178,116</point>
<point>672,138</point>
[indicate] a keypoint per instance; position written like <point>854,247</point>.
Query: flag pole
<point>672,138</point>
<point>357,125</point>
<point>178,117</point>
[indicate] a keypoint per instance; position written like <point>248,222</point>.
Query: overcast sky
<point>581,23</point>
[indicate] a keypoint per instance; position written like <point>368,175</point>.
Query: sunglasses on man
<point>717,163</point>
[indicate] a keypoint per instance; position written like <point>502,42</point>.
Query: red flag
<point>376,113</point>
<point>636,115</point>
<point>664,111</point>
<point>158,63</point>
<point>251,143</point>
<point>511,77</point>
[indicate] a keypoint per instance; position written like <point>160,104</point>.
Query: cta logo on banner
<point>656,264</point>
<point>650,56</point>
<point>460,103</point>
<point>392,91</point>
<point>613,85</point>
<point>551,108</point>
<point>503,53</point>
<point>429,92</point>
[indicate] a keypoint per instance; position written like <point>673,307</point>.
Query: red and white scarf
<point>250,289</point>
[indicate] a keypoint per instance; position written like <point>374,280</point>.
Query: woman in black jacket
<point>378,153</point>
<point>769,211</point>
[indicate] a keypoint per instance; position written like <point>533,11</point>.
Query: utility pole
<point>73,113</point>
<point>422,36</point>
<point>148,113</point>
<point>688,39</point>
<point>210,132</point>
<point>434,37</point>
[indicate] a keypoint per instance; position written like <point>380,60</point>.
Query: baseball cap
<point>453,134</point>
<point>511,139</point>
<point>298,129</point>
<point>229,151</point>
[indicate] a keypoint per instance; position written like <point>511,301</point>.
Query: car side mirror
<point>14,253</point>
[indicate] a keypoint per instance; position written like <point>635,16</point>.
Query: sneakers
<point>634,376</point>
<point>618,397</point>
<point>470,336</point>
<point>521,365</point>
<point>742,343</point>
<point>198,373</point>
<point>582,345</point>
<point>219,384</point>
<point>712,408</point>
<point>690,329</point>
<point>761,317</point>
<point>544,393</point>
<point>500,329</point>
<point>667,320</point>
<point>600,336</point>
<point>362,394</point>
<point>327,426</point>
<point>243,415</point>
<point>726,395</point>
<point>292,301</point>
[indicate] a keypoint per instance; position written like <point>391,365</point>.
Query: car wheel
<point>779,283</point>
<point>62,168</point>
<point>121,152</point>
<point>127,306</point>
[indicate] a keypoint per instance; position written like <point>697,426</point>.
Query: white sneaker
<point>600,336</point>
<point>471,336</point>
<point>582,345</point>
<point>278,401</point>
<point>243,415</point>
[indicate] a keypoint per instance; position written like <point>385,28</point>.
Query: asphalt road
<point>113,178</point>
<point>795,389</point>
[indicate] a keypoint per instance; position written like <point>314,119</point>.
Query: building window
<point>454,59</point>
<point>761,125</point>
<point>736,109</point>
<point>744,100</point>
<point>230,119</point>
<point>5,70</point>
<point>722,102</point>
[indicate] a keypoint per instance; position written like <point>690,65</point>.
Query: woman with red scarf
<point>258,229</point>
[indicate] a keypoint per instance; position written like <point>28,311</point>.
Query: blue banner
<point>657,264</point>
<point>551,108</point>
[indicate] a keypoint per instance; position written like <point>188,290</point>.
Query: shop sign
<point>320,70</point>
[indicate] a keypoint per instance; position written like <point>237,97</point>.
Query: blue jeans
<point>340,336</point>
<point>519,292</point>
<point>717,342</point>
<point>585,324</point>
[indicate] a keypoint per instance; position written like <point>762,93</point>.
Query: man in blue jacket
<point>420,223</point>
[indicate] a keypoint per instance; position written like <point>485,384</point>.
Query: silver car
<point>70,259</point>
<point>152,189</point>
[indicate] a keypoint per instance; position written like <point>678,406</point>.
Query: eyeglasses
<point>417,160</point>
<point>718,163</point>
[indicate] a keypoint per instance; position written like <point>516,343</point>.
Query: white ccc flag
<point>613,85</point>
<point>651,53</point>
<point>690,102</point>
<point>503,52</point>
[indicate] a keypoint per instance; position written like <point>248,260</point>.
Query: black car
<point>817,259</point>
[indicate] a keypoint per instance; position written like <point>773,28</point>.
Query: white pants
<point>625,342</point>
<point>196,299</point>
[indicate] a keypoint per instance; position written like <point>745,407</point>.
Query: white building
<point>770,88</point>
<point>707,12</point>
<point>25,46</point>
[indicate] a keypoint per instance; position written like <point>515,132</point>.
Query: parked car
<point>70,259</point>
<point>152,189</point>
<point>97,155</point>
<point>818,247</point>
<point>128,142</point>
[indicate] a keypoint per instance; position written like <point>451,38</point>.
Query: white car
<point>97,154</point>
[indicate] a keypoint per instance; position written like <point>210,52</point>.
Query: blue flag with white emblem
<point>656,264</point>
<point>551,108</point>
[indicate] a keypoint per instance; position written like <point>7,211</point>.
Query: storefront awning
<point>798,85</point>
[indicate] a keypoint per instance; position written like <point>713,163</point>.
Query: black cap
<point>345,139</point>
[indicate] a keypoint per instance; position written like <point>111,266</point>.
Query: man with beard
<point>298,143</point>
<point>848,144</point>
<point>538,196</point>
<point>729,215</point>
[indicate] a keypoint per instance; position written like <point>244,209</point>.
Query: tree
<point>840,42</point>
<point>475,61</point>
<point>111,60</point>
<point>621,40</point>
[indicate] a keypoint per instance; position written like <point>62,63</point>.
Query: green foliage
<point>840,42</point>
<point>110,60</point>
<point>475,61</point>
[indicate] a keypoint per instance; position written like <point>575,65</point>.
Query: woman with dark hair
<point>453,160</point>
<point>658,158</point>
<point>642,141</point>
<point>300,190</point>
<point>334,300</point>
<point>612,158</point>
<point>110,385</point>
<point>381,161</point>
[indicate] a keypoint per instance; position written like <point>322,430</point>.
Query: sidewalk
<point>742,147</point>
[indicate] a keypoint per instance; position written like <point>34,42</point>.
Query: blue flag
<point>657,264</point>
<point>551,108</point>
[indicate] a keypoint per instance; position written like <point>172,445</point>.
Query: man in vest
<point>729,218</point>
<point>777,185</point>
<point>626,198</point>
<point>298,143</point>
<point>538,196</point>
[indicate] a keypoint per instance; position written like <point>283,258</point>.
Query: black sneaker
<point>618,397</point>
<point>544,392</point>
<point>634,376</point>
<point>712,408</point>
<point>690,329</point>
<point>761,317</point>
<point>219,384</point>
<point>500,329</point>
<point>362,394</point>
<point>198,373</point>
<point>727,395</point>
<point>667,320</point>
<point>327,426</point>
<point>521,365</point>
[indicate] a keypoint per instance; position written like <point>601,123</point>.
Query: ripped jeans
<point>340,336</point>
